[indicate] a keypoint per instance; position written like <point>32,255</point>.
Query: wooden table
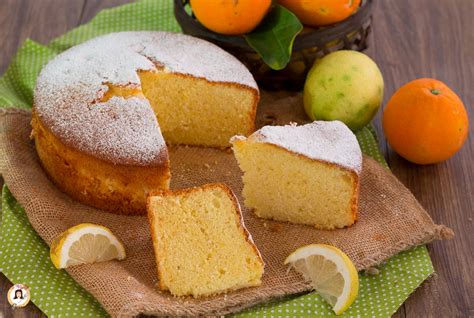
<point>410,39</point>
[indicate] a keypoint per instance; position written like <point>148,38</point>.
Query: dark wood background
<point>410,39</point>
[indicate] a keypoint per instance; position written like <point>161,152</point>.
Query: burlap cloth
<point>390,221</point>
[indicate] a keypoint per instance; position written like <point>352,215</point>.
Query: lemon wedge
<point>332,274</point>
<point>85,244</point>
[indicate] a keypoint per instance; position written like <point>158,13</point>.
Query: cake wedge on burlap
<point>201,244</point>
<point>306,174</point>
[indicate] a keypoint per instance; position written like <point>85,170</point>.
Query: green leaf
<point>273,38</point>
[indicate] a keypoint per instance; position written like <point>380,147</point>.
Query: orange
<point>425,121</point>
<point>317,13</point>
<point>231,17</point>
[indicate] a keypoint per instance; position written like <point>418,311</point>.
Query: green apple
<point>346,86</point>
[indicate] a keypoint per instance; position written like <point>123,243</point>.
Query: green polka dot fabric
<point>379,295</point>
<point>24,257</point>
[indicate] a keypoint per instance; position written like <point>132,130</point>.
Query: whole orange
<point>317,13</point>
<point>425,121</point>
<point>231,17</point>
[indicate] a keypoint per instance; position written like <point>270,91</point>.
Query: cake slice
<point>201,244</point>
<point>305,174</point>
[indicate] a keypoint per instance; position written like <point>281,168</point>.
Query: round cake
<point>105,109</point>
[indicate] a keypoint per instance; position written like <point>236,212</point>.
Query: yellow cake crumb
<point>285,180</point>
<point>201,245</point>
<point>191,111</point>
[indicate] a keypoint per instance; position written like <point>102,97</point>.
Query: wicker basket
<point>311,44</point>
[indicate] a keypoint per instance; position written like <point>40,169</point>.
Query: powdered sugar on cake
<point>121,130</point>
<point>329,141</point>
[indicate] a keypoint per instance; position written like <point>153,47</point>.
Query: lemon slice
<point>85,244</point>
<point>331,272</point>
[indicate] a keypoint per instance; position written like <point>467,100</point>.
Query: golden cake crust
<point>65,166</point>
<point>153,221</point>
